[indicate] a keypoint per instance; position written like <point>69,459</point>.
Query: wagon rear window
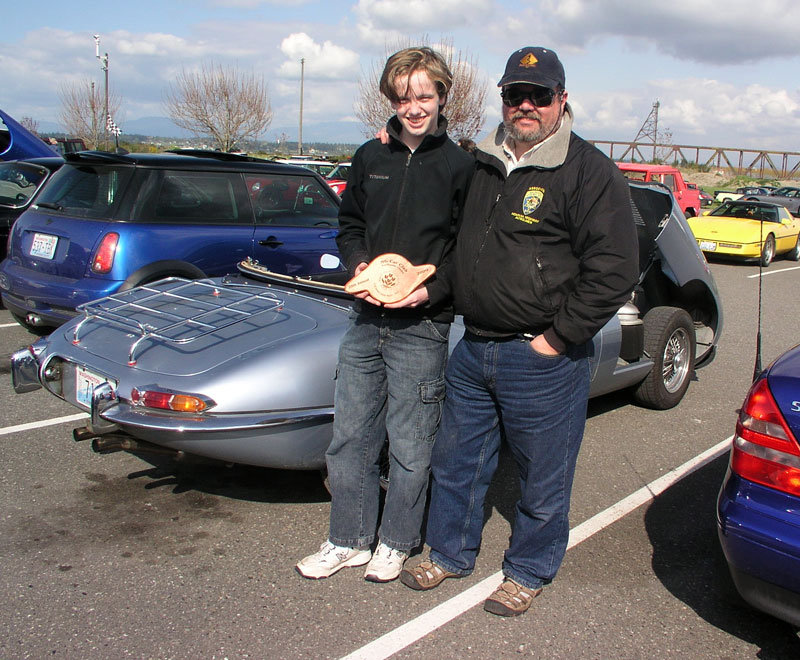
<point>87,191</point>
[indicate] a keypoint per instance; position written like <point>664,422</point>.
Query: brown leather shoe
<point>510,599</point>
<point>425,575</point>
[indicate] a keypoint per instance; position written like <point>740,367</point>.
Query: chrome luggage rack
<point>177,310</point>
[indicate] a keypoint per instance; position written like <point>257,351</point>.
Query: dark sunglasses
<point>540,97</point>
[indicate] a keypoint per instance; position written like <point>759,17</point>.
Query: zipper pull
<point>491,209</point>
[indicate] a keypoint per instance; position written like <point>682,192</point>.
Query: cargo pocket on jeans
<point>431,394</point>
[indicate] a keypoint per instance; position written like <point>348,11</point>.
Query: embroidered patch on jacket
<point>381,177</point>
<point>530,202</point>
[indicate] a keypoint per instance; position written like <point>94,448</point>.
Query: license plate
<point>44,246</point>
<point>708,246</point>
<point>85,382</point>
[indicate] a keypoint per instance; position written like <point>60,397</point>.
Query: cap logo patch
<point>529,60</point>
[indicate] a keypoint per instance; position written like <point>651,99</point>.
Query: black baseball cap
<point>534,65</point>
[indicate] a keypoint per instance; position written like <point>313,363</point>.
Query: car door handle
<point>271,242</point>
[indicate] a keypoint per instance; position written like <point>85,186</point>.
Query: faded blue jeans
<point>538,404</point>
<point>390,381</point>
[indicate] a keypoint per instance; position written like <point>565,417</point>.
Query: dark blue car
<point>758,510</point>
<point>109,222</point>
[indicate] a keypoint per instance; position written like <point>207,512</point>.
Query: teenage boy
<point>402,197</point>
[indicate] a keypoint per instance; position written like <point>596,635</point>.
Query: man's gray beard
<point>532,137</point>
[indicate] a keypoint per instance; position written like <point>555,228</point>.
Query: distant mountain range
<point>329,131</point>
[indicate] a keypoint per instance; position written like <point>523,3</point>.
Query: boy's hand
<point>418,296</point>
<point>364,295</point>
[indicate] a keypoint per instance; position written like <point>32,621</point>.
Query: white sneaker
<point>385,564</point>
<point>330,559</point>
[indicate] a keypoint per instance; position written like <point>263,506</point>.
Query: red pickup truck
<point>688,198</point>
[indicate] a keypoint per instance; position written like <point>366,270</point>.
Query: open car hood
<point>18,142</point>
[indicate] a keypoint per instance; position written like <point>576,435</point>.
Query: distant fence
<point>753,162</point>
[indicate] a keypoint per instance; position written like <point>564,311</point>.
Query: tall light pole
<point>104,65</point>
<point>302,77</point>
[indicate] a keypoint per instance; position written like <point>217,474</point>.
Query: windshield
<point>87,191</point>
<point>341,172</point>
<point>19,182</point>
<point>747,212</point>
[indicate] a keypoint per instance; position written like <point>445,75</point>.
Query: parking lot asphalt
<point>119,556</point>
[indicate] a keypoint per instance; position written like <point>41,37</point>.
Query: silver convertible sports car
<point>241,368</point>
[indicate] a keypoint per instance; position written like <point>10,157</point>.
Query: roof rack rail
<point>98,156</point>
<point>218,155</point>
<point>176,310</point>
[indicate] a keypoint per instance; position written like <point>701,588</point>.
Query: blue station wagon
<point>110,222</point>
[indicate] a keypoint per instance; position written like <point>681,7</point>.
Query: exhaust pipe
<point>78,435</point>
<point>34,320</point>
<point>113,443</point>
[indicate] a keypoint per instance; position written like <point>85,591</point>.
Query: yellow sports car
<point>747,229</point>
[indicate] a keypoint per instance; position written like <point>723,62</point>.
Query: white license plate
<point>44,246</point>
<point>85,382</point>
<point>708,246</point>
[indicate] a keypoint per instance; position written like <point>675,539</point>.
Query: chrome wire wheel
<point>669,341</point>
<point>676,361</point>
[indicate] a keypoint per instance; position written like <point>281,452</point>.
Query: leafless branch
<point>31,124</point>
<point>220,103</point>
<point>83,111</point>
<point>465,102</point>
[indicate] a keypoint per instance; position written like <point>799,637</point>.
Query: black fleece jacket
<point>548,248</point>
<point>408,203</point>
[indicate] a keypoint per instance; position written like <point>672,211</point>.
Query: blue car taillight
<point>104,255</point>
<point>764,449</point>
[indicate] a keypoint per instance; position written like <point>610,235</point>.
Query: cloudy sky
<point>725,73</point>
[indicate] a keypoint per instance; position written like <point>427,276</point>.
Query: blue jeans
<point>538,404</point>
<point>390,382</point>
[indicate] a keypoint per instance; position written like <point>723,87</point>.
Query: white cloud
<point>690,30</point>
<point>324,61</point>
<point>255,4</point>
<point>381,22</point>
<point>714,114</point>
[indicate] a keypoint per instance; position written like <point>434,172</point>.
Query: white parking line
<point>773,272</point>
<point>9,325</point>
<point>45,422</point>
<point>426,623</point>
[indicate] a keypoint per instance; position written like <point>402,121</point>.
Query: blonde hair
<point>409,60</point>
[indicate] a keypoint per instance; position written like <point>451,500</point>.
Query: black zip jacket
<point>406,203</point>
<point>551,248</point>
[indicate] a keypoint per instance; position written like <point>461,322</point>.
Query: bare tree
<point>83,111</point>
<point>31,124</point>
<point>465,102</point>
<point>220,103</point>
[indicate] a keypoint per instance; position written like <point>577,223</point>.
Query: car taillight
<point>170,401</point>
<point>104,256</point>
<point>764,448</point>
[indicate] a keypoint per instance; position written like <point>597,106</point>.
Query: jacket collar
<point>394,129</point>
<point>550,155</point>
